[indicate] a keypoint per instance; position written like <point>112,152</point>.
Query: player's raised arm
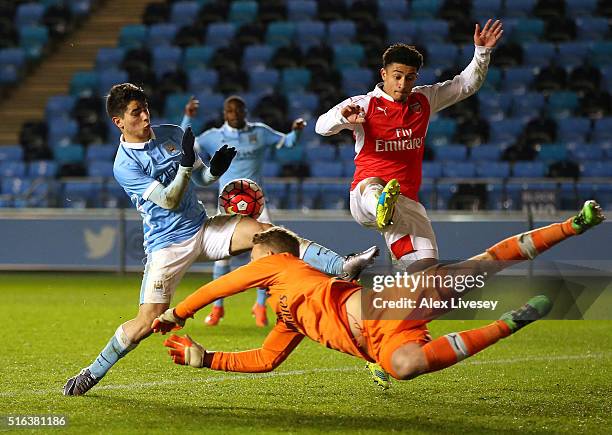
<point>465,84</point>
<point>219,163</point>
<point>277,346</point>
<point>346,115</point>
<point>191,110</point>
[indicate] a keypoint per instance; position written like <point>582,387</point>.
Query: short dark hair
<point>404,54</point>
<point>235,98</point>
<point>279,240</point>
<point>119,98</point>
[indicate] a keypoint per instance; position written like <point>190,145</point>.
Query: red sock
<point>448,350</point>
<point>528,245</point>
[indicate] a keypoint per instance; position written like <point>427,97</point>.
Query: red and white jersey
<point>390,143</point>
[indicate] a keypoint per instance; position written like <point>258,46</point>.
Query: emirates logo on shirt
<point>403,141</point>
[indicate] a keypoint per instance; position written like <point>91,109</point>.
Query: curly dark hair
<point>279,240</point>
<point>119,98</point>
<point>404,54</point>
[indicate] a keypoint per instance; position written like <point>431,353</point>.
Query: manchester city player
<point>155,171</point>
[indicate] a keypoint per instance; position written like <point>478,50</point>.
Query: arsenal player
<point>389,125</point>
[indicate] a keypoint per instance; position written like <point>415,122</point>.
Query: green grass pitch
<point>554,376</point>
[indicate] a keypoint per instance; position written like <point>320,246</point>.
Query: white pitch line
<point>243,376</point>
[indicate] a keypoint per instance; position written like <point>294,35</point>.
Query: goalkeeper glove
<point>222,160</point>
<point>188,152</point>
<point>185,351</point>
<point>167,321</point>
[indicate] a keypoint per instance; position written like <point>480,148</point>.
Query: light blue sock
<point>117,347</point>
<point>261,296</point>
<point>323,259</point>
<point>220,268</point>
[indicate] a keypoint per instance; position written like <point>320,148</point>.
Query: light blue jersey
<point>250,142</point>
<point>139,168</point>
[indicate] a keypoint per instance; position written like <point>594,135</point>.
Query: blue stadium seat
<point>486,152</point>
<point>80,8</point>
<point>12,61</point>
<point>133,36</point>
<point>459,169</point>
<point>596,169</point>
<point>573,53</point>
<point>61,131</point>
<point>33,40</point>
<point>348,55</point>
<point>84,83</point>
<point>242,12</point>
<point>166,59</point>
<point>320,154</point>
<point>538,53</point>
<point>69,154</point>
<point>592,28</point>
<point>485,9</point>
<point>602,131</point>
<point>528,106</point>
<point>444,191</point>
<point>98,168</point>
<point>518,80</point>
<point>197,56</point>
<point>211,105</point>
<point>309,33</point>
<point>270,169</point>
<point>601,53</point>
<point>573,129</point>
<point>42,168</point>
<point>161,34</point>
<point>552,152</point>
<point>528,29</point>
<point>356,80</point>
<point>440,55</point>
<point>326,169</point>
<point>81,194</point>
<point>184,13</point>
<point>114,195</point>
<point>109,58</point>
<point>493,79</point>
<point>303,105</point>
<point>295,79</point>
<point>334,196</point>
<point>391,9</point>
<point>109,78</point>
<point>264,80</point>
<point>495,196</point>
<point>529,169</point>
<point>12,169</point>
<point>280,33</point>
<point>310,195</point>
<point>257,57</point>
<point>606,76</point>
<point>16,186</point>
<point>425,8</point>
<point>298,10</point>
<point>348,168</point>
<point>175,105</point>
<point>562,104</point>
<point>427,76</point>
<point>29,14</point>
<point>432,169</point>
<point>576,8</point>
<point>11,153</point>
<point>426,194</point>
<point>601,192</point>
<point>399,30</point>
<point>506,129</point>
<point>494,106</point>
<point>587,151</point>
<point>202,80</point>
<point>220,34</point>
<point>441,131</point>
<point>454,152</point>
<point>341,32</point>
<point>276,195</point>
<point>346,153</point>
<point>519,8</point>
<point>493,169</point>
<point>100,153</point>
<point>431,31</point>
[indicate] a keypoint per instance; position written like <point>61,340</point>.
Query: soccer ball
<point>242,196</point>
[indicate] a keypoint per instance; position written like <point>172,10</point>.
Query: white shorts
<point>410,237</point>
<point>165,267</point>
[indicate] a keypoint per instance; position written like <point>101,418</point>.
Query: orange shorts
<point>383,337</point>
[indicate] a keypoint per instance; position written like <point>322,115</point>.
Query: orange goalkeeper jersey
<point>306,301</point>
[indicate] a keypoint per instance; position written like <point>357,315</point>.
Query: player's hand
<point>167,321</point>
<point>353,113</point>
<point>489,35</point>
<point>192,106</point>
<point>185,351</point>
<point>222,160</point>
<point>299,124</point>
<point>187,144</point>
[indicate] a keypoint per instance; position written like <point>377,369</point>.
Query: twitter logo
<point>100,244</point>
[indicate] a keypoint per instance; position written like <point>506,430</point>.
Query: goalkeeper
<point>310,304</point>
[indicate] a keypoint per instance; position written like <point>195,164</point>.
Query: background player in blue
<point>251,140</point>
<point>156,172</point>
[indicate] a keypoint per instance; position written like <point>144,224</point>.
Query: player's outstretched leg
<point>259,308</point>
<point>410,361</point>
<point>217,313</point>
<point>379,376</point>
<point>386,203</point>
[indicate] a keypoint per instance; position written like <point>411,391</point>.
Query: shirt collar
<point>136,145</point>
<point>379,92</point>
<point>230,129</point>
